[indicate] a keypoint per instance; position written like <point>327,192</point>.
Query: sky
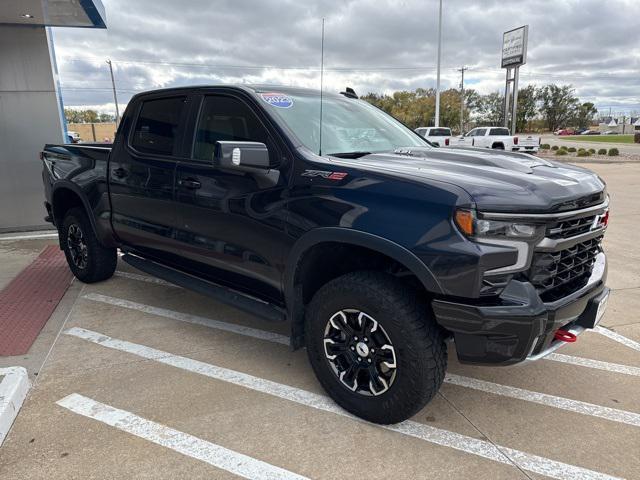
<point>370,45</point>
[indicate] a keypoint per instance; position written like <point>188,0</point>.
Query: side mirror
<point>242,155</point>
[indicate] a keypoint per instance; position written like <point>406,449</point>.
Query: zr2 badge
<point>324,174</point>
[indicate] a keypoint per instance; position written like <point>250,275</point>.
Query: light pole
<point>437,122</point>
<point>115,97</point>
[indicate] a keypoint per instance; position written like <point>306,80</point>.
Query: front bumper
<point>520,326</point>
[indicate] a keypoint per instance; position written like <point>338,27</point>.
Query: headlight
<point>470,225</point>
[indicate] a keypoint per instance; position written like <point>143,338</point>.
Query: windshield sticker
<point>279,100</point>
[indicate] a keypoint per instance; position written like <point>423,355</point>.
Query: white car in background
<point>498,138</point>
<point>74,137</point>
<point>439,136</point>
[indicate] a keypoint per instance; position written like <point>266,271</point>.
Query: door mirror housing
<point>242,155</point>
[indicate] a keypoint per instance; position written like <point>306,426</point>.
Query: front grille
<point>557,274</point>
<point>570,228</point>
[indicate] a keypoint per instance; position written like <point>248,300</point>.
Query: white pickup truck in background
<point>439,136</point>
<point>499,138</point>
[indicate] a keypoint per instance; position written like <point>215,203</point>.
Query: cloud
<point>371,45</point>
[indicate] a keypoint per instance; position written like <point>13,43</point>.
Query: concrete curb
<point>13,390</point>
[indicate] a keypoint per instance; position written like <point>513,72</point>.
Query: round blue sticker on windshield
<point>279,100</point>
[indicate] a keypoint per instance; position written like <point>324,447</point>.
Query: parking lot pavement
<point>148,380</point>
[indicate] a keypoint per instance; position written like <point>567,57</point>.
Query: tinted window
<point>157,126</point>
<point>480,132</point>
<point>421,131</point>
<point>440,132</point>
<point>227,119</point>
<point>499,131</point>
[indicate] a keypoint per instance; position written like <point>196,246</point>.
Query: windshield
<point>349,125</point>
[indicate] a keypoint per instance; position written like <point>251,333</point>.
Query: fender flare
<point>68,185</point>
<point>295,310</point>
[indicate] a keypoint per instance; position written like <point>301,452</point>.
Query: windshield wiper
<point>349,154</point>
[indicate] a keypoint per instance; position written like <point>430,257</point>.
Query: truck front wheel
<point>89,261</point>
<point>374,346</point>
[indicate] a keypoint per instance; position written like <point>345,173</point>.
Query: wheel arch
<point>380,248</point>
<point>67,195</point>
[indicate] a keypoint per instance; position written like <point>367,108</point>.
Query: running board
<point>222,294</point>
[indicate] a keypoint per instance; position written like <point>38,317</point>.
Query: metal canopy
<point>53,13</point>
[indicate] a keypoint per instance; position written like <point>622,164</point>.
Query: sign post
<point>514,54</point>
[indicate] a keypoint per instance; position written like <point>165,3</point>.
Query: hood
<point>496,181</point>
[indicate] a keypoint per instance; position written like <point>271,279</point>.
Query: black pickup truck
<point>325,212</point>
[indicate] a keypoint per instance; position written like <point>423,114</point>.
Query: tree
<point>491,109</point>
<point>527,107</point>
<point>84,116</point>
<point>585,114</point>
<point>558,105</point>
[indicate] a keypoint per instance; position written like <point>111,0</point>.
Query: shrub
<point>613,152</point>
<point>563,147</point>
<point>602,151</point>
<point>592,151</point>
<point>555,147</point>
<point>545,146</point>
<point>561,151</point>
<point>583,153</point>
<point>571,149</point>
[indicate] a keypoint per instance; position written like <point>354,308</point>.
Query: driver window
<point>227,119</point>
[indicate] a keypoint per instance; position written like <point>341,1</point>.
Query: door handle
<point>119,173</point>
<point>189,183</point>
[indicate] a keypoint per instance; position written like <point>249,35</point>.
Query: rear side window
<point>499,131</point>
<point>157,126</point>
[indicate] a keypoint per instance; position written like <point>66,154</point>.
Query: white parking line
<point>34,236</point>
<point>597,364</point>
<point>464,443</point>
<point>195,319</point>
<point>144,278</point>
<point>282,339</point>
<point>613,414</point>
<point>14,386</point>
<point>186,444</point>
<point>627,342</point>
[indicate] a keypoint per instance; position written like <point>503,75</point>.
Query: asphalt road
<point>147,380</point>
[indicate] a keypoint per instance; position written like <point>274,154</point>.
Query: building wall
<point>94,132</point>
<point>29,118</point>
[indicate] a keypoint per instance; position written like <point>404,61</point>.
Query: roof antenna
<point>321,85</point>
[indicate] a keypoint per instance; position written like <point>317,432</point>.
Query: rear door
<point>142,175</point>
<point>232,222</point>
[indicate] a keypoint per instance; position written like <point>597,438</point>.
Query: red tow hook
<point>565,336</point>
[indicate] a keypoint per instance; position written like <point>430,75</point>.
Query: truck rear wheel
<point>375,346</point>
<point>88,260</point>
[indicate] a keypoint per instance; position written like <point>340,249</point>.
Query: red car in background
<point>564,131</point>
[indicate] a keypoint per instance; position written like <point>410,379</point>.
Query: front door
<point>142,172</point>
<point>232,221</point>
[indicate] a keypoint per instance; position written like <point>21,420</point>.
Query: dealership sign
<point>514,47</point>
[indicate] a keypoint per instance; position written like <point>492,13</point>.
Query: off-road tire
<point>100,262</point>
<point>406,317</point>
